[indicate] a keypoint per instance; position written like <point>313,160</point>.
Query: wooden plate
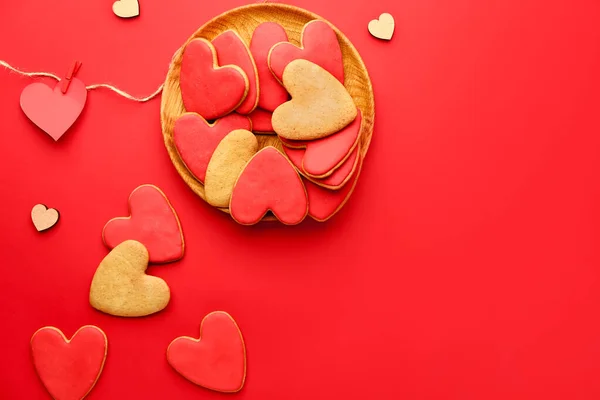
<point>244,20</point>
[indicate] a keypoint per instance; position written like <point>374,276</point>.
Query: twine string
<point>90,87</point>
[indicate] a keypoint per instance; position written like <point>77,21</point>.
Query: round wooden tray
<point>244,20</point>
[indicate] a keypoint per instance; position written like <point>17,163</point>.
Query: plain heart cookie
<point>196,140</point>
<point>69,368</point>
<point>231,50</point>
<point>121,287</point>
<point>382,28</point>
<point>153,222</point>
<point>320,104</point>
<point>217,360</point>
<point>269,182</point>
<point>226,164</point>
<point>207,88</point>
<point>264,37</point>
<point>319,45</point>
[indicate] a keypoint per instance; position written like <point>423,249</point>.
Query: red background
<point>465,265</point>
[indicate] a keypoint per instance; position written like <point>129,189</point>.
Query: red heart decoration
<point>206,88</point>
<point>196,139</point>
<point>268,182</point>
<point>217,360</point>
<point>50,109</point>
<point>323,156</point>
<point>69,369</point>
<point>319,46</point>
<point>153,223</point>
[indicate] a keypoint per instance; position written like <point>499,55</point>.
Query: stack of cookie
<point>234,93</point>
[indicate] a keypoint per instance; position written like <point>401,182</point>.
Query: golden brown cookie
<point>226,164</point>
<point>320,104</point>
<point>121,287</point>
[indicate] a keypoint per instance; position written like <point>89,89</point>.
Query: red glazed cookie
<point>206,88</point>
<point>261,121</point>
<point>231,50</point>
<point>265,36</point>
<point>323,156</point>
<point>269,183</point>
<point>337,179</point>
<point>153,222</point>
<point>323,203</point>
<point>319,45</point>
<point>196,139</point>
<point>217,360</point>
<point>69,368</point>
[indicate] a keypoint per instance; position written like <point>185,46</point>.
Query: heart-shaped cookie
<point>217,360</point>
<point>382,28</point>
<point>320,104</point>
<point>153,222</point>
<point>231,50</point>
<point>226,164</point>
<point>50,109</point>
<point>264,37</point>
<point>126,8</point>
<point>261,121</point>
<point>44,218</point>
<point>121,287</point>
<point>319,45</point>
<point>206,88</point>
<point>323,156</point>
<point>196,139</point>
<point>323,203</point>
<point>269,182</point>
<point>69,368</point>
<point>337,179</point>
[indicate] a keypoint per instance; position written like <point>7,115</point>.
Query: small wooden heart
<point>126,8</point>
<point>383,28</point>
<point>44,218</point>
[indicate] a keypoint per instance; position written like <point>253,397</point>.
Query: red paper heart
<point>268,182</point>
<point>69,368</point>
<point>196,139</point>
<point>153,223</point>
<point>206,88</point>
<point>50,109</point>
<point>217,360</point>
<point>319,46</point>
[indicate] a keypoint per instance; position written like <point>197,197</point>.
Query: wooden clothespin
<point>66,81</point>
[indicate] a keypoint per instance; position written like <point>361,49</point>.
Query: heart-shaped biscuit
<point>153,222</point>
<point>323,156</point>
<point>196,139</point>
<point>269,182</point>
<point>320,104</point>
<point>126,8</point>
<point>340,176</point>
<point>69,368</point>
<point>231,50</point>
<point>383,28</point>
<point>226,164</point>
<point>121,287</point>
<point>319,45</point>
<point>44,218</point>
<point>217,360</point>
<point>206,88</point>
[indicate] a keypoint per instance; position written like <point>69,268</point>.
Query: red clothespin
<point>66,81</point>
